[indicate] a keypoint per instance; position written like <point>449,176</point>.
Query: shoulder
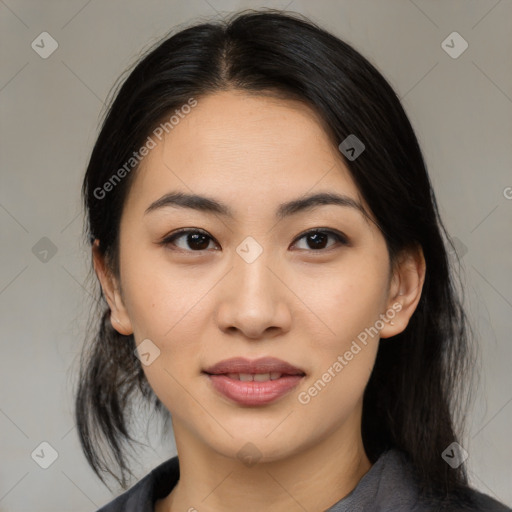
<point>141,496</point>
<point>471,500</point>
<point>399,487</point>
<point>131,499</point>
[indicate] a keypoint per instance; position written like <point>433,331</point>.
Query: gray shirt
<point>388,486</point>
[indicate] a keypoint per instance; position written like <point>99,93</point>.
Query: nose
<point>253,300</point>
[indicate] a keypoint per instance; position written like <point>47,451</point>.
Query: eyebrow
<point>210,205</point>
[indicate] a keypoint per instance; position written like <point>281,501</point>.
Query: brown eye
<point>317,239</point>
<point>194,240</point>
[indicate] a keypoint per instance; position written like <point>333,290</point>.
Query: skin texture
<point>294,302</point>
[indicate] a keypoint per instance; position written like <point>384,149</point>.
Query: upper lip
<point>262,365</point>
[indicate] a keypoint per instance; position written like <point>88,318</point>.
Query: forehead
<point>248,151</point>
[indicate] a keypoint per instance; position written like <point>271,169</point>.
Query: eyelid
<point>169,239</point>
<point>338,235</point>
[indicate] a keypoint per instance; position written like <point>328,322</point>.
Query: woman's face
<point>253,284</point>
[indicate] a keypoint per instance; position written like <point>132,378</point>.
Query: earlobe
<point>405,291</point>
<point>118,315</point>
<point>119,326</point>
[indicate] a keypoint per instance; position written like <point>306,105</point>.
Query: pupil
<point>195,237</point>
<point>318,239</point>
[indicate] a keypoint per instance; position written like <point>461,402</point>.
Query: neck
<point>314,478</point>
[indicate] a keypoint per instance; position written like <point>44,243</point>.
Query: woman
<point>276,282</point>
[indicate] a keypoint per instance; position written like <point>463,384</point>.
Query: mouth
<point>256,377</point>
<point>253,383</point>
<point>243,369</point>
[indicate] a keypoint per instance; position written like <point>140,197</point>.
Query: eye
<point>198,240</point>
<point>316,239</point>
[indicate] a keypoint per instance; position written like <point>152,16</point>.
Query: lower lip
<point>253,392</point>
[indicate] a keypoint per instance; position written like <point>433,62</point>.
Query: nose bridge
<point>253,279</point>
<point>252,301</point>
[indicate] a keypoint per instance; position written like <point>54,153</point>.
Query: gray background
<point>461,109</point>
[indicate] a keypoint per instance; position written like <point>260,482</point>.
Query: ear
<point>404,291</point>
<point>118,315</point>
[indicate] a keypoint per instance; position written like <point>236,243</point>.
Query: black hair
<point>415,393</point>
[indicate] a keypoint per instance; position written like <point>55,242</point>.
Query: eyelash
<point>341,238</point>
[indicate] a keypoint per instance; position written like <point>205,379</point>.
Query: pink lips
<point>253,392</point>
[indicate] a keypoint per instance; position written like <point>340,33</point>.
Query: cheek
<point>164,305</point>
<point>344,351</point>
<point>344,302</point>
<point>159,297</point>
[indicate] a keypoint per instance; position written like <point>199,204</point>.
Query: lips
<point>262,366</point>
<point>258,377</point>
<point>254,383</point>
